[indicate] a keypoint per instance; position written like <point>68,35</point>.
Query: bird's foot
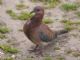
<point>39,52</point>
<point>33,50</point>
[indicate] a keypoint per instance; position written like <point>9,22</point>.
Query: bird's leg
<point>39,50</point>
<point>35,49</point>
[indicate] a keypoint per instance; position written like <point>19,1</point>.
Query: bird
<point>37,31</point>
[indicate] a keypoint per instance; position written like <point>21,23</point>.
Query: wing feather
<point>46,37</point>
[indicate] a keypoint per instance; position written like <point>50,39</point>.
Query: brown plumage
<point>38,32</point>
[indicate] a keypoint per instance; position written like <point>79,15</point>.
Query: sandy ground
<point>69,41</point>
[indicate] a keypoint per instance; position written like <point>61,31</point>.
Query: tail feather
<point>61,32</point>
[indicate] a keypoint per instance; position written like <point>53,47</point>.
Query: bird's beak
<point>31,12</point>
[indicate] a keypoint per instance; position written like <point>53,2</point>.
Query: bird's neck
<point>36,20</point>
<point>34,24</point>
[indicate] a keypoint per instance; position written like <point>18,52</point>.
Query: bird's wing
<point>47,35</point>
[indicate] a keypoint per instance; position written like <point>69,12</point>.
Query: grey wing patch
<point>45,37</point>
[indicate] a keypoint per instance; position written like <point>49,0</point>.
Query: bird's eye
<point>38,10</point>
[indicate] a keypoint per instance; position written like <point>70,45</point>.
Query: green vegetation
<point>69,6</point>
<point>48,58</point>
<point>2,36</point>
<point>51,3</point>
<point>76,54</point>
<point>69,51</point>
<point>47,21</point>
<point>78,14</point>
<point>21,16</point>
<point>24,16</point>
<point>69,24</point>
<point>12,14</point>
<point>8,58</point>
<point>48,3</point>
<point>68,27</point>
<point>56,48</point>
<point>60,58</point>
<point>66,21</point>
<point>4,29</point>
<point>1,2</point>
<point>29,59</point>
<point>21,6</point>
<point>8,49</point>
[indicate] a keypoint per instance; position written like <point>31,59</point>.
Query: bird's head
<point>39,12</point>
